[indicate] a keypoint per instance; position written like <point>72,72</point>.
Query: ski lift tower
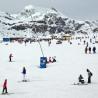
<point>43,60</point>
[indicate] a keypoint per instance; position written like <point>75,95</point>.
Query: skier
<point>89,50</point>
<point>81,79</point>
<point>94,49</point>
<point>10,57</point>
<point>4,91</point>
<point>89,75</point>
<point>24,73</point>
<point>87,44</point>
<point>86,50</point>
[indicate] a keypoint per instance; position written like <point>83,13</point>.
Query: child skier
<point>10,57</point>
<point>4,91</point>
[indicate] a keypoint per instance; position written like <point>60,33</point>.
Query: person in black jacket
<point>89,75</point>
<point>24,73</point>
<point>10,57</point>
<point>94,49</point>
<point>81,79</point>
<point>90,50</point>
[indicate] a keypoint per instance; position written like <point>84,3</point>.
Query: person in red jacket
<point>4,91</point>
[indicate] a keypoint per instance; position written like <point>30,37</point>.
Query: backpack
<point>91,74</point>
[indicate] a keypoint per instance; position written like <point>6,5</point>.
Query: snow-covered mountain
<point>33,20</point>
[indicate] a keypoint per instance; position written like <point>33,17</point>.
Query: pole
<point>38,40</point>
<point>41,48</point>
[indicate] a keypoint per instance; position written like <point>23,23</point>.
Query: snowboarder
<point>94,49</point>
<point>81,79</point>
<point>89,75</point>
<point>10,57</point>
<point>24,73</point>
<point>4,91</point>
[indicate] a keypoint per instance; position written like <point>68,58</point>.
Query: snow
<point>8,21</point>
<point>56,80</point>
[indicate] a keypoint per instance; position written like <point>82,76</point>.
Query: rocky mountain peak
<point>42,20</point>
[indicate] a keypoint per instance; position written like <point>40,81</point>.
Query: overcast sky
<point>76,9</point>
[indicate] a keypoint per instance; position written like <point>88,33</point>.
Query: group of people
<point>51,59</point>
<point>81,79</point>
<point>90,50</point>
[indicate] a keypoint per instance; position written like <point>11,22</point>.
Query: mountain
<point>32,20</point>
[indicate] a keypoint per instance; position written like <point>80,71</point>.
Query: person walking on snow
<point>10,57</point>
<point>4,91</point>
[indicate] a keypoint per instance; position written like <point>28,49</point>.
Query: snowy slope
<point>56,80</point>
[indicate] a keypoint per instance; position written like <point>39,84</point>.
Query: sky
<point>76,9</point>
